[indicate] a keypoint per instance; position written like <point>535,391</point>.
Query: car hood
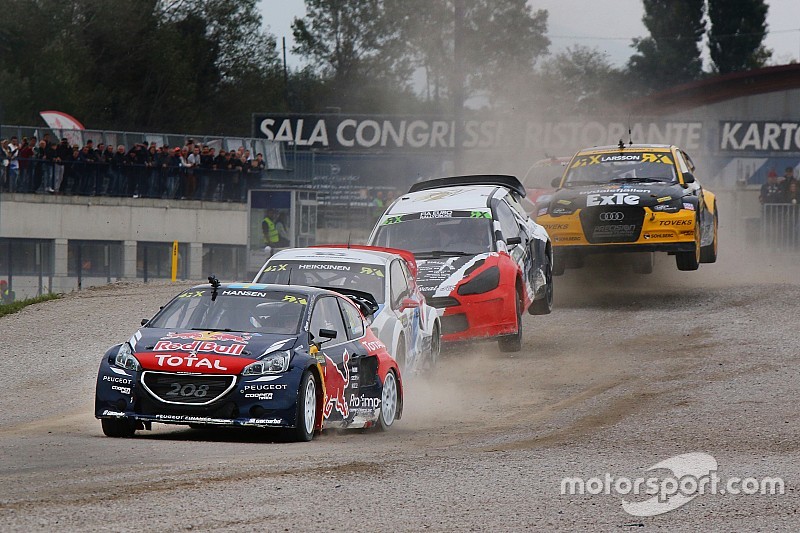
<point>649,194</point>
<point>439,276</point>
<point>212,343</point>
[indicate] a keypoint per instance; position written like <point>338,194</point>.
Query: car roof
<point>334,255</point>
<point>448,198</point>
<point>628,147</point>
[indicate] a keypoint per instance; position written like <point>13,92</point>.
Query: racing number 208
<point>189,389</point>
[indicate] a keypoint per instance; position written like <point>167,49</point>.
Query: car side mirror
<point>408,303</point>
<point>555,183</point>
<point>327,333</point>
<point>688,178</point>
<point>145,321</point>
<point>513,240</point>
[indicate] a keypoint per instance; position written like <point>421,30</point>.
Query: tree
<point>578,81</point>
<point>736,36</point>
<point>671,54</point>
<point>355,46</point>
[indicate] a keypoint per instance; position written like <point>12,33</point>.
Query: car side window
<point>508,223</point>
<point>516,206</point>
<point>682,163</point>
<point>354,323</point>
<point>407,274</point>
<point>398,283</point>
<point>327,315</point>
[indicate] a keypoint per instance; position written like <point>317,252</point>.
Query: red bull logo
<point>335,385</point>
<point>199,346</point>
<point>209,336</point>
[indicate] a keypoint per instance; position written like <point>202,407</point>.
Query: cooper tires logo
<point>612,216</point>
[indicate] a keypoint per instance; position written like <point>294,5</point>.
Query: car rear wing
<point>509,182</point>
<point>405,254</point>
<point>365,301</point>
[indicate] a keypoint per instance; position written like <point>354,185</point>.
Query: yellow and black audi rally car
<point>631,198</point>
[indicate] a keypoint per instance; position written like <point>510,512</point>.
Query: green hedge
<point>13,307</point>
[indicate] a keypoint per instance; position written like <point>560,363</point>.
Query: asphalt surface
<point>627,371</point>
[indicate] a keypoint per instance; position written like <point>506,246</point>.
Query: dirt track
<point>626,372</point>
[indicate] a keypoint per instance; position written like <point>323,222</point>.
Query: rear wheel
<point>389,403</point>
<point>434,348</point>
<point>643,263</point>
<point>513,343</point>
<point>306,408</point>
<point>559,264</point>
<point>708,254</point>
<point>118,427</point>
<point>400,354</point>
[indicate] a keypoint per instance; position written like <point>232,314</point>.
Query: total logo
<point>191,361</point>
<point>619,198</point>
<point>611,216</point>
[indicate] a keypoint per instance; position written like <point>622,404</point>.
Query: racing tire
<point>559,265</point>
<point>513,343</point>
<point>687,261</point>
<point>544,306</point>
<point>119,428</point>
<point>306,408</point>
<point>434,348</point>
<point>708,254</point>
<point>643,263</point>
<point>389,402</point>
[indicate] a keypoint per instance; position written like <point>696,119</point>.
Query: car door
<point>399,292</point>
<point>511,227</point>
<point>337,353</point>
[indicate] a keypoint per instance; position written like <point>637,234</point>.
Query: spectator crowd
<point>193,171</point>
<point>780,189</point>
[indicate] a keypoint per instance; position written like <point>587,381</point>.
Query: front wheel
<point>434,348</point>
<point>389,402</point>
<point>513,343</point>
<point>306,408</point>
<point>708,254</point>
<point>544,305</point>
<point>118,427</point>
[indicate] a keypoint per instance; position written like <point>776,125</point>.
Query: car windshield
<point>234,309</point>
<point>334,275</point>
<point>460,233</point>
<point>621,167</point>
<point>542,174</point>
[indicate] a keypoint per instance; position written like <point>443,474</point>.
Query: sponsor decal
<point>295,299</point>
<point>264,421</point>
<point>611,189</point>
<point>257,294</point>
<point>118,371</point>
<point>364,402</point>
<point>542,211</point>
<point>480,214</point>
<point>614,230</point>
<point>197,346</point>
<point>619,198</point>
<point>675,222</point>
<point>336,384</point>
<point>259,395</point>
<point>320,266</point>
<point>112,413</point>
<point>436,214</point>
<point>373,346</point>
<point>691,232</point>
<point>658,235</point>
<point>612,215</point>
<point>123,390</point>
<point>192,419</point>
<point>564,202</point>
<point>371,271</point>
<point>664,199</point>
<point>666,207</point>
<point>257,286</point>
<point>121,381</point>
<point>621,157</point>
<point>555,226</point>
<point>193,362</point>
<point>276,268</point>
<point>392,220</point>
<point>688,206</point>
<point>192,294</point>
<point>263,387</point>
<point>571,238</point>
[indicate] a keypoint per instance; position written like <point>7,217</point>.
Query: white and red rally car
<point>481,261</point>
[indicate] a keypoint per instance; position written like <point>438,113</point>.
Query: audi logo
<point>613,215</point>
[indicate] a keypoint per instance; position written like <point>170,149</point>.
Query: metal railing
<point>780,227</point>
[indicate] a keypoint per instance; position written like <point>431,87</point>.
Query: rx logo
<point>614,215</point>
<point>191,294</point>
<point>372,271</point>
<point>393,220</point>
<point>295,299</point>
<point>480,214</point>
<point>275,268</point>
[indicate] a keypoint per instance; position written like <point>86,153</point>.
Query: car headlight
<point>484,282</point>
<point>125,358</point>
<point>273,363</point>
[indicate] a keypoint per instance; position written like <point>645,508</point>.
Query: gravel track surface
<point>626,372</point>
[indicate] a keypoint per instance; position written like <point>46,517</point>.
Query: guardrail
<point>780,227</point>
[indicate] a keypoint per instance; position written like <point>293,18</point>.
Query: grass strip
<point>13,307</point>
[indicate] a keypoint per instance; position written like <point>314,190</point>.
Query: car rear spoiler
<point>365,302</point>
<point>511,183</point>
<point>405,254</point>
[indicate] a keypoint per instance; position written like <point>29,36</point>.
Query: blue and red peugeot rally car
<point>246,354</point>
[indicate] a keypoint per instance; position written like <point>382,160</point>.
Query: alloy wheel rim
<point>310,405</point>
<point>389,399</point>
